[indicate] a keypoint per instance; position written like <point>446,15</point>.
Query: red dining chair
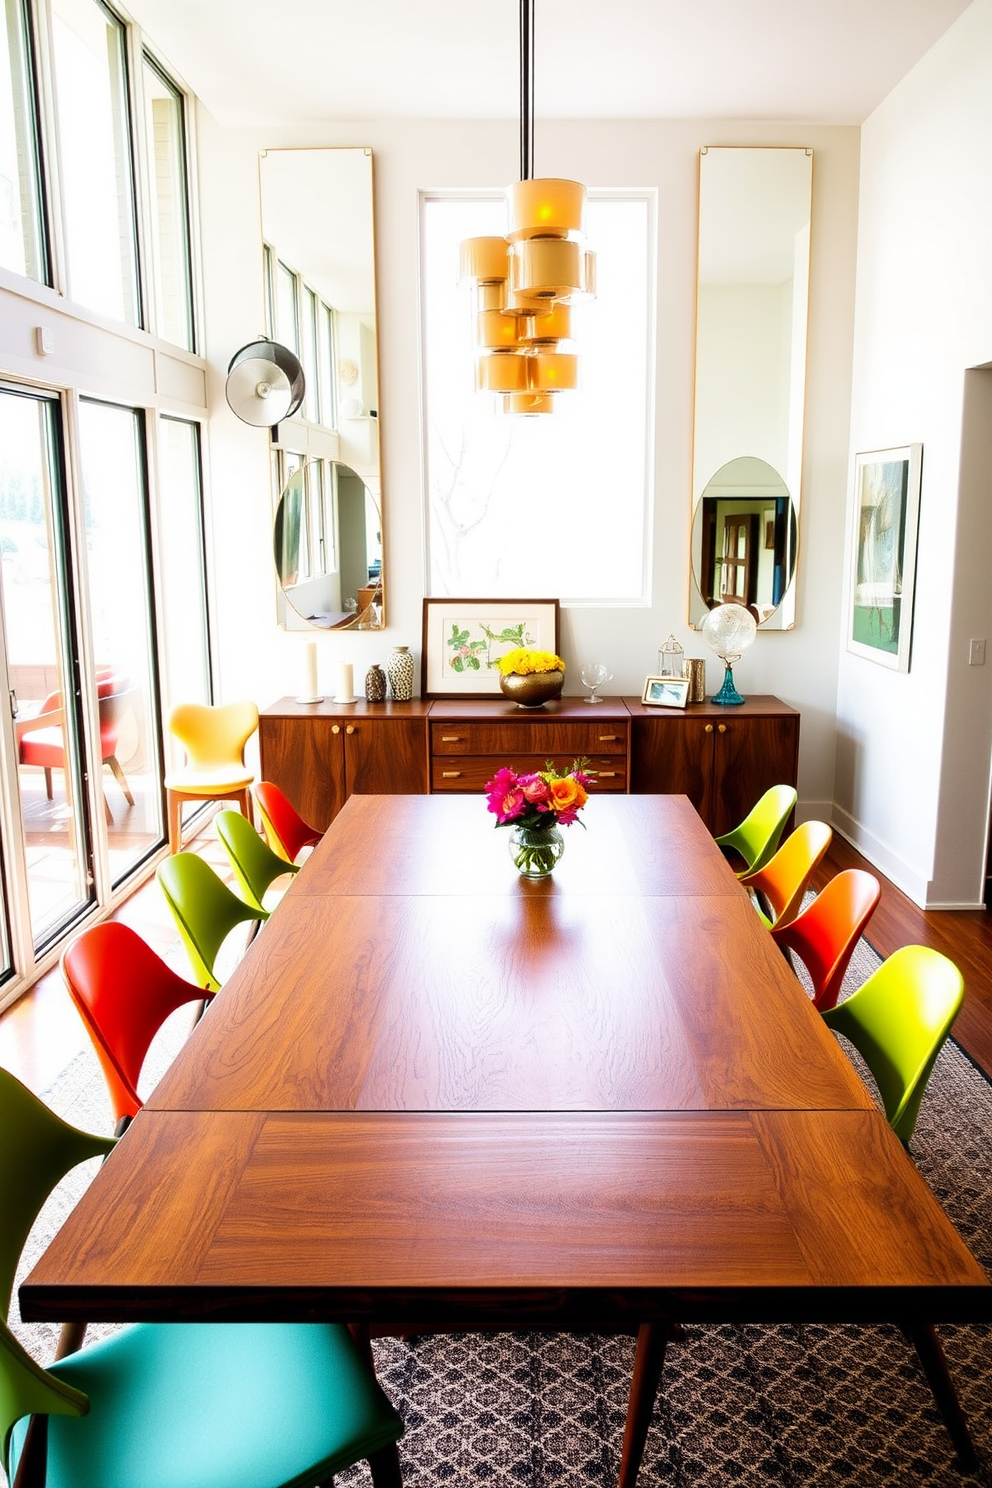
<point>41,739</point>
<point>285,830</point>
<point>825,933</point>
<point>124,992</point>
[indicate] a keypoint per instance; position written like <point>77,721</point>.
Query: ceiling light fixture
<point>525,283</point>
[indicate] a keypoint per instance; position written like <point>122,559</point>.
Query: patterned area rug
<point>747,1405</point>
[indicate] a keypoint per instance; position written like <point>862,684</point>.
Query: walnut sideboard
<point>721,758</point>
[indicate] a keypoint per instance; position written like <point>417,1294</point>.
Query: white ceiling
<point>255,62</point>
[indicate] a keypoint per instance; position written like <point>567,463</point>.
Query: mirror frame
<point>308,483</point>
<point>739,185</point>
<point>344,285</point>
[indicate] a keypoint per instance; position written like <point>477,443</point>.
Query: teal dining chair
<point>190,1405</point>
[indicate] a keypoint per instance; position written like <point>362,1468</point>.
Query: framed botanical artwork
<point>464,639</point>
<point>666,692</point>
<point>883,563</point>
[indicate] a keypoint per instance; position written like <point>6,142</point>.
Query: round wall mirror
<point>328,547</point>
<point>743,540</point>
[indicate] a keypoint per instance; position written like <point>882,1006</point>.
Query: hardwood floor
<point>42,1032</point>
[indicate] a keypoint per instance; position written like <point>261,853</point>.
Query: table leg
<point>923,1337</point>
<point>649,1358</point>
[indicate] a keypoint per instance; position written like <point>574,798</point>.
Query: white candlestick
<point>344,686</point>
<point>309,693</point>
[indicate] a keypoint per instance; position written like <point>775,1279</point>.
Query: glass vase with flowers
<point>534,807</point>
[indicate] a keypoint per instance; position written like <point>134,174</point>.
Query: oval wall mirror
<point>752,304</point>
<point>328,547</point>
<point>318,250</point>
<point>743,540</point>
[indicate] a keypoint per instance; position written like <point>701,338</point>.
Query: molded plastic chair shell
<point>256,867</point>
<point>124,992</point>
<point>41,740</point>
<point>898,1021</point>
<point>758,835</point>
<point>824,934</point>
<point>214,739</point>
<point>205,911</point>
<point>781,884</point>
<point>218,1403</point>
<point>285,830</point>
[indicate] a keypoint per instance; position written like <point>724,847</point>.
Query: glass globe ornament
<point>729,630</point>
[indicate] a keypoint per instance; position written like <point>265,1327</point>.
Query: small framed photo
<point>883,549</point>
<point>464,639</point>
<point>666,692</point>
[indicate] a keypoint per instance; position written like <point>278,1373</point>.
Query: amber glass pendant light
<point>525,283</point>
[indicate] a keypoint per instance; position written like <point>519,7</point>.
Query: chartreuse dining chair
<point>190,1405</point>
<point>899,1020</point>
<point>285,830</point>
<point>214,739</point>
<point>256,867</point>
<point>205,911</point>
<point>759,834</point>
<point>779,886</point>
<point>824,934</point>
<point>123,992</point>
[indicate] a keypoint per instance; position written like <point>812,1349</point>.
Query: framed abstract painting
<point>883,562</point>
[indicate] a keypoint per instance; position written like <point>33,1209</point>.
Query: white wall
<point>914,749</point>
<point>800,665</point>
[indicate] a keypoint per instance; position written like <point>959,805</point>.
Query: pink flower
<point>535,789</point>
<point>505,798</point>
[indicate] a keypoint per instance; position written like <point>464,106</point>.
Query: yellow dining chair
<point>214,739</point>
<point>779,886</point>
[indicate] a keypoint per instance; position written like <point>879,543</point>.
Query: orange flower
<point>568,794</point>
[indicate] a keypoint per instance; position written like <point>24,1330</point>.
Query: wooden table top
<point>433,1090</point>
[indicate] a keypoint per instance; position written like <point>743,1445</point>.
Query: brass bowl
<point>532,690</point>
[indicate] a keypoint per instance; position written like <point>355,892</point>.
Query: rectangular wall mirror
<point>752,304</point>
<point>319,258</point>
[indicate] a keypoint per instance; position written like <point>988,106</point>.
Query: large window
<point>96,175</point>
<point>22,239</point>
<point>165,152</point>
<point>558,504</point>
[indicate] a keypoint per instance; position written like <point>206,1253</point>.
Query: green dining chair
<point>205,911</point>
<point>899,1020</point>
<point>759,834</point>
<point>276,1405</point>
<point>256,867</point>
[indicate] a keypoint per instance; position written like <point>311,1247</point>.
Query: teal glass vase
<point>728,692</point>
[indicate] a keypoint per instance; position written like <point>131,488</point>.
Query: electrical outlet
<point>976,653</point>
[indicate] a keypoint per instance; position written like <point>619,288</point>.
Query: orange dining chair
<point>824,934</point>
<point>41,740</point>
<point>124,992</point>
<point>285,830</point>
<point>214,739</point>
<point>780,885</point>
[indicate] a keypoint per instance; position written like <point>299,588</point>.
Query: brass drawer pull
<point>606,774</point>
<point>608,738</point>
<point>451,738</point>
<point>350,729</point>
<point>721,728</point>
<point>708,729</point>
<point>335,728</point>
<point>450,774</point>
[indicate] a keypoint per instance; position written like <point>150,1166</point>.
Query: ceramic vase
<point>375,684</point>
<point>399,669</point>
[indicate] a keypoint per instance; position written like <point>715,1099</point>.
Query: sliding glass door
<point>55,867</point>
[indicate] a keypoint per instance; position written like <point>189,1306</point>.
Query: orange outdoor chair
<point>124,992</point>
<point>214,739</point>
<point>779,886</point>
<point>285,830</point>
<point>824,934</point>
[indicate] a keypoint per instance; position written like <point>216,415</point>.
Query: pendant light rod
<point>526,90</point>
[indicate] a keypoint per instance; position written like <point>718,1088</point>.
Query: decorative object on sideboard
<point>671,659</point>
<point>729,630</point>
<point>399,669</point>
<point>534,806</point>
<point>344,682</point>
<point>375,684</point>
<point>595,674</point>
<point>463,640</point>
<point>524,285</point>
<point>308,691</point>
<point>665,692</point>
<point>695,671</point>
<point>886,518</point>
<point>531,678</point>
<point>265,383</point>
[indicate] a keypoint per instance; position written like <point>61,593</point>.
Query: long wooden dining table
<point>437,1095</point>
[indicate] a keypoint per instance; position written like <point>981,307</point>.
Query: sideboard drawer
<point>473,772</point>
<point>552,738</point>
